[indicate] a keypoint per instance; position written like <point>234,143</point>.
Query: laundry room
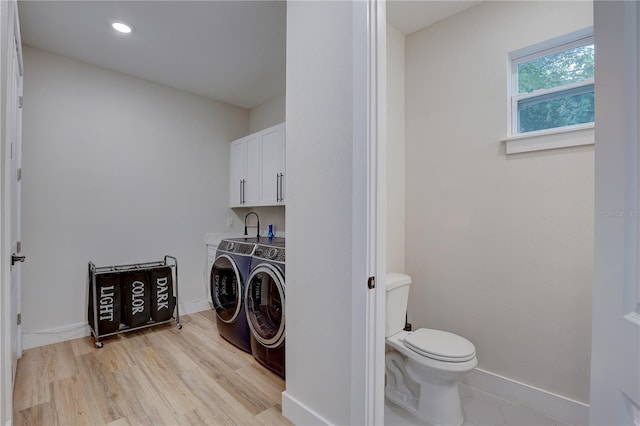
<point>119,169</point>
<point>126,155</point>
<point>389,157</point>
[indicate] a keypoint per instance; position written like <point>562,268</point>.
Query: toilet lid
<point>440,345</point>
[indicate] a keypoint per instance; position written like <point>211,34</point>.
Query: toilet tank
<point>397,298</point>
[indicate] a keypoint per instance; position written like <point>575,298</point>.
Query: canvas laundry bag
<point>163,301</point>
<point>136,298</point>
<point>108,303</point>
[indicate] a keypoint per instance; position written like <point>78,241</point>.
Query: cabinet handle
<point>278,187</point>
<point>242,200</point>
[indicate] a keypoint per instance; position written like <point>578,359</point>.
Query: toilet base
<point>438,405</point>
<point>429,397</point>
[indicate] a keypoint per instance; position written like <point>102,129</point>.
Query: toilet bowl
<point>423,367</point>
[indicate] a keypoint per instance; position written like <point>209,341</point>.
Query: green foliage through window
<point>564,108</point>
<point>566,67</point>
<point>572,103</point>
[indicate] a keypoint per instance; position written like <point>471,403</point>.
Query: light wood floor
<point>158,376</point>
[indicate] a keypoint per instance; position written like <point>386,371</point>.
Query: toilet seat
<point>440,345</point>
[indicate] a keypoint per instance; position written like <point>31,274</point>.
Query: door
<point>615,355</point>
<point>10,329</point>
<point>226,288</point>
<point>252,184</point>
<point>245,172</point>
<point>264,301</point>
<point>273,161</point>
<point>238,172</point>
<point>14,137</point>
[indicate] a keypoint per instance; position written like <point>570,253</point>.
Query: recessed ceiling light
<point>121,27</point>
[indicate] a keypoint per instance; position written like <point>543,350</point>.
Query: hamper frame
<point>169,261</point>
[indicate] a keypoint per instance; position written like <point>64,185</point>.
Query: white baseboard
<point>37,338</point>
<point>194,306</point>
<point>54,335</point>
<point>547,403</point>
<point>299,414</point>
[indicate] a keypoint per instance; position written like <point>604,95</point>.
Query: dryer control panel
<point>236,247</point>
<point>274,254</point>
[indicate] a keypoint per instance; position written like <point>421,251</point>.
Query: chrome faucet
<point>257,226</point>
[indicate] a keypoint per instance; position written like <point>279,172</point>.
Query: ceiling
<point>409,16</point>
<point>232,51</point>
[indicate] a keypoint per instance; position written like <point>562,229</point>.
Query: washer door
<point>226,288</point>
<point>264,305</point>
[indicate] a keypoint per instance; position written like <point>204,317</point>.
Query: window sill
<point>564,137</point>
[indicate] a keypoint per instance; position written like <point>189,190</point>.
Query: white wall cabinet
<point>257,174</point>
<point>245,171</point>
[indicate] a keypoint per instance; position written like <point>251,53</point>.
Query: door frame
<point>615,350</point>
<point>369,189</point>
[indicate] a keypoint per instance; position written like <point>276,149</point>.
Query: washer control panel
<point>236,247</point>
<point>274,254</point>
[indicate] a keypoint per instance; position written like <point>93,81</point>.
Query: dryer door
<point>264,305</point>
<point>226,288</point>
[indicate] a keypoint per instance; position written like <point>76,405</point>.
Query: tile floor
<point>479,409</point>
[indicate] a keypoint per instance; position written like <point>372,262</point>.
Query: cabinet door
<point>254,170</point>
<point>273,163</point>
<point>238,172</point>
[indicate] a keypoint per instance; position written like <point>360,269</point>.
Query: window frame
<point>555,137</point>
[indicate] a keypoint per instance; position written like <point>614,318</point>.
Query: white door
<point>14,137</point>
<point>615,355</point>
<point>273,161</point>
<point>238,172</point>
<point>254,170</point>
<point>10,330</point>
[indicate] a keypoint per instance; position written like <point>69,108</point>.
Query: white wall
<point>500,248</point>
<point>395,150</point>
<point>274,215</point>
<point>319,212</point>
<point>267,114</point>
<point>116,170</point>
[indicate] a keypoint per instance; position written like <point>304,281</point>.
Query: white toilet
<point>423,366</point>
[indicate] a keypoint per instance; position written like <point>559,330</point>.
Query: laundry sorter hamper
<point>131,297</point>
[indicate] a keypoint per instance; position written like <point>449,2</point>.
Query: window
<point>552,84</point>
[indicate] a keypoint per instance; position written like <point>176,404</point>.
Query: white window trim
<point>557,137</point>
